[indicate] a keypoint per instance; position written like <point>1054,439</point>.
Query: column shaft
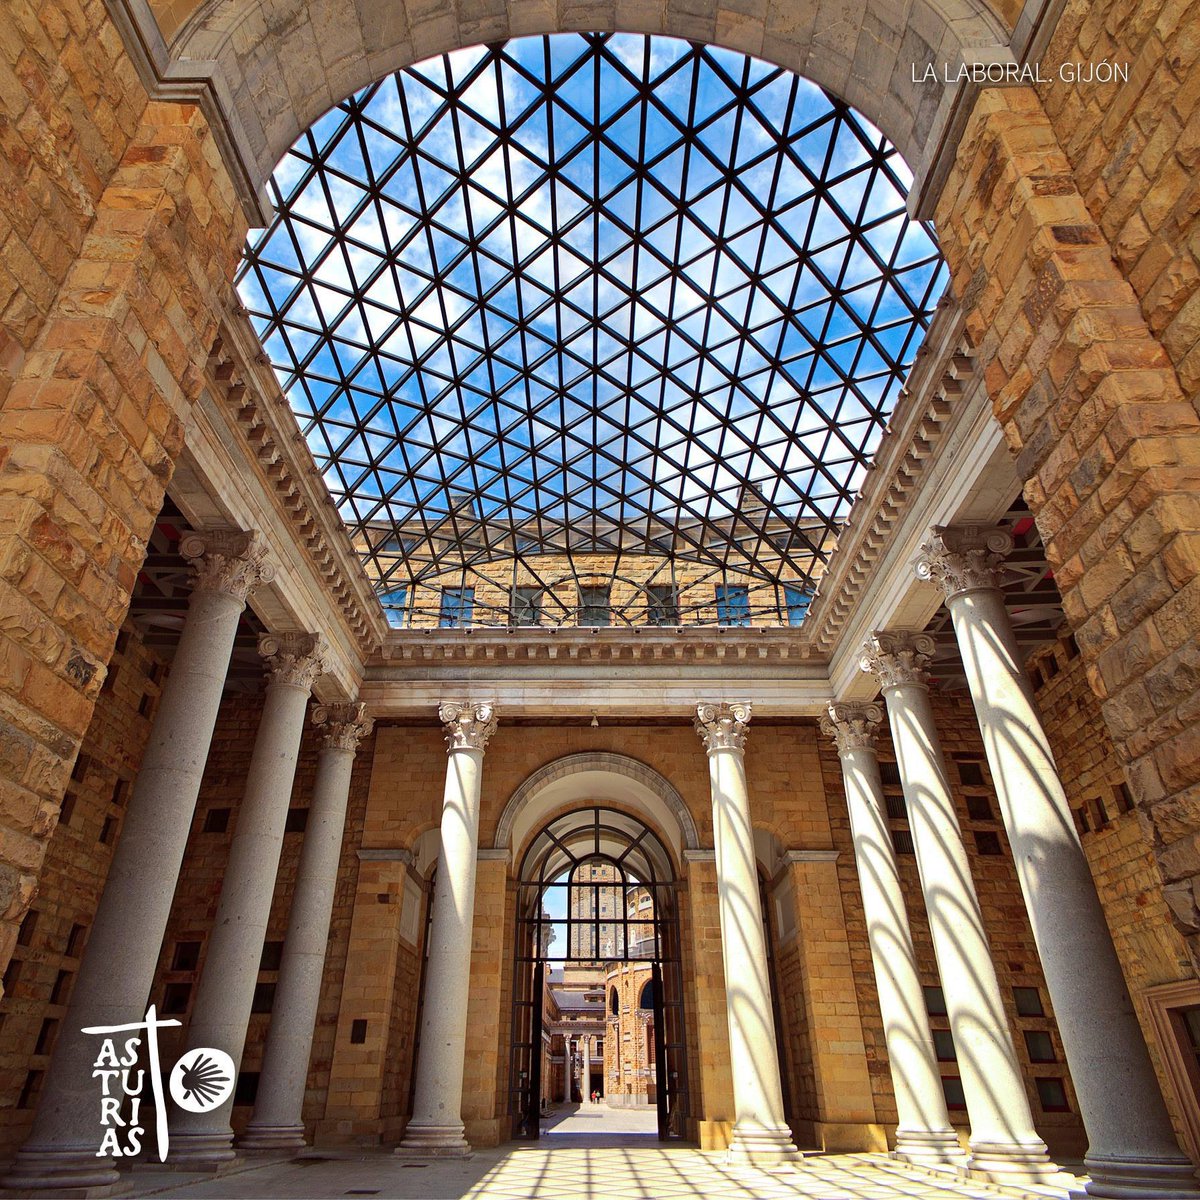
<point>760,1132</point>
<point>278,1122</point>
<point>117,970</point>
<point>1132,1149</point>
<point>1004,1143</point>
<point>923,1133</point>
<point>436,1127</point>
<point>225,996</point>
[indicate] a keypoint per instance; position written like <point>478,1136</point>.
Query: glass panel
<point>1191,1021</point>
<point>493,348</point>
<point>733,605</point>
<point>797,600</point>
<point>395,605</point>
<point>526,607</point>
<point>594,606</point>
<point>457,604</point>
<point>663,605</point>
<point>1029,1002</point>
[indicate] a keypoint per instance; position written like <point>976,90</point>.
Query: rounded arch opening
<point>873,71</point>
<point>597,911</point>
<point>597,777</point>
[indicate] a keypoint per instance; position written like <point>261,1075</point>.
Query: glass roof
<point>592,294</point>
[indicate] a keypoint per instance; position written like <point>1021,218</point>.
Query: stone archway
<point>600,776</point>
<point>270,71</point>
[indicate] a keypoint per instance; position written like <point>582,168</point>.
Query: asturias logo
<point>201,1081</point>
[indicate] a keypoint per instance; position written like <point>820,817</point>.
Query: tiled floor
<point>618,1159</point>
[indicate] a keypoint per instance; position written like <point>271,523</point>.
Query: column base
<point>259,1138</point>
<point>66,1171</point>
<point>204,1150</point>
<point>1140,1178</point>
<point>762,1146</point>
<point>1011,1162</point>
<point>434,1141</point>
<point>929,1147</point>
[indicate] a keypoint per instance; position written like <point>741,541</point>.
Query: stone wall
<point>54,930</point>
<point>118,238</point>
<point>1134,148</point>
<point>1104,435</point>
<point>1151,949</point>
<point>628,1034</point>
<point>72,102</point>
<point>693,586</point>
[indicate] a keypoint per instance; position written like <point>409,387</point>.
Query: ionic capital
<point>852,726</point>
<point>959,558</point>
<point>468,726</point>
<point>345,725</point>
<point>292,659</point>
<point>723,726</point>
<point>227,560</point>
<point>897,658</point>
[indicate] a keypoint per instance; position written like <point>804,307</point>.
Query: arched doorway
<point>596,889</point>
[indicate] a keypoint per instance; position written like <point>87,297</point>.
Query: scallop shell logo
<point>202,1079</point>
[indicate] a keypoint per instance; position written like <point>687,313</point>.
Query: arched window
<point>646,999</point>
<point>614,1002</point>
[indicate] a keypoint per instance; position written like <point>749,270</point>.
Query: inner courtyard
<point>600,601</point>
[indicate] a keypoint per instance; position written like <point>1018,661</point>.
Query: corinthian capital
<point>345,725</point>
<point>961,557</point>
<point>292,659</point>
<point>897,658</point>
<point>852,726</point>
<point>468,726</point>
<point>722,726</point>
<point>227,560</point>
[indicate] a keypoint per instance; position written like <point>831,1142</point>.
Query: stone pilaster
<point>1004,1144</point>
<point>1132,1149</point>
<point>436,1128</point>
<point>760,1131</point>
<point>118,966</point>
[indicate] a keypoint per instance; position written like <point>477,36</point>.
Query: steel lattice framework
<point>592,296</point>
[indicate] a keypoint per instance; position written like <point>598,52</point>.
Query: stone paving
<point>618,1158</point>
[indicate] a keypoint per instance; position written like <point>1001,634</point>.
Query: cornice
<point>241,380</point>
<point>936,388</point>
<point>594,646</point>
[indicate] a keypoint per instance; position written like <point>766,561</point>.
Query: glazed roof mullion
<point>594,313</point>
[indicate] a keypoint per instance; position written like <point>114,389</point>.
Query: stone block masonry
<point>54,930</point>
<point>89,432</point>
<point>1108,443</point>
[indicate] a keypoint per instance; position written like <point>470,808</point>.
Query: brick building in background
<point>746,462</point>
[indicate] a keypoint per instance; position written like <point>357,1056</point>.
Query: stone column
<point>923,1134</point>
<point>225,995</point>
<point>566,1071</point>
<point>760,1132</point>
<point>436,1128</point>
<point>277,1123</point>
<point>1132,1147</point>
<point>586,1090</point>
<point>1004,1144</point>
<point>117,970</point>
